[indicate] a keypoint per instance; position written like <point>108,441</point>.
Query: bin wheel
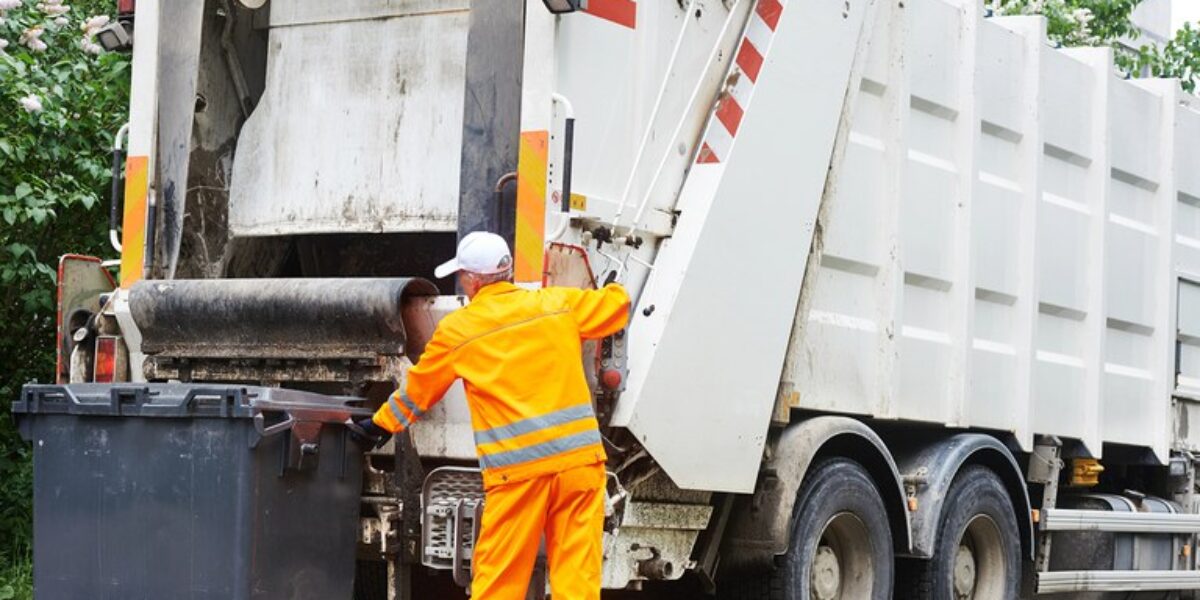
<point>370,580</point>
<point>841,542</point>
<point>978,550</point>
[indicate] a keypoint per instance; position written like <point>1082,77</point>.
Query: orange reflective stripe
<point>133,224</point>
<point>532,160</point>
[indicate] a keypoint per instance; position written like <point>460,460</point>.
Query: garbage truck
<point>916,293</point>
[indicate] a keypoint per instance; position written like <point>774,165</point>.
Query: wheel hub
<point>826,574</point>
<point>964,573</point>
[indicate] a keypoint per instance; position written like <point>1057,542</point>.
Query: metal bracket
<point>614,504</point>
<point>1045,465</point>
<point>464,551</point>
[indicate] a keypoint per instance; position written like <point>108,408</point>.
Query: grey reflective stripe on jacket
<point>400,416</point>
<point>532,424</point>
<point>538,451</point>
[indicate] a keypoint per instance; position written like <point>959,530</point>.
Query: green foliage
<point>60,104</point>
<point>1179,58</point>
<point>1107,23</point>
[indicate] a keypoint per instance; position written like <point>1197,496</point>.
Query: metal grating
<point>452,502</point>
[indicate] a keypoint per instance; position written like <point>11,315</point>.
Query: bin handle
<point>264,430</point>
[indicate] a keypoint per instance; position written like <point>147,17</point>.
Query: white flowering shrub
<point>60,103</point>
<point>1078,22</point>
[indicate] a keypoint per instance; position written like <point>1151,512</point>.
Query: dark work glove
<point>367,432</point>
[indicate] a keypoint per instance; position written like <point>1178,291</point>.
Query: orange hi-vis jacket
<point>519,354</point>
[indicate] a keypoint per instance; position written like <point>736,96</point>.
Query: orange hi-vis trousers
<point>568,507</point>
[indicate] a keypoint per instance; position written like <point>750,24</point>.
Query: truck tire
<point>840,546</point>
<point>978,551</point>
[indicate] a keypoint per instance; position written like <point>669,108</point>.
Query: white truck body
<point>1030,217</point>
<point>836,217</point>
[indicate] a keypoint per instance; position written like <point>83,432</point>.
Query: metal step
<point>1056,519</point>
<point>1116,581</point>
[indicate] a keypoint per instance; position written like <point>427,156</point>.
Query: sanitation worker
<point>518,353</point>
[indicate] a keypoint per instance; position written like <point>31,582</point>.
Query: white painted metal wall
<point>710,330</point>
<point>1187,262</point>
<point>999,251</point>
<point>999,248</point>
<point>635,92</point>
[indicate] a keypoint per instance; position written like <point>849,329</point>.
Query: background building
<point>1184,11</point>
<point>1154,19</point>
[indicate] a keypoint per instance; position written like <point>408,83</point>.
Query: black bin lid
<point>185,400</point>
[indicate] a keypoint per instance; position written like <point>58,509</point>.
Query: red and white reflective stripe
<point>735,98</point>
<point>621,12</point>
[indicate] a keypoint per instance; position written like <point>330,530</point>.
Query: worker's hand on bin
<point>367,432</point>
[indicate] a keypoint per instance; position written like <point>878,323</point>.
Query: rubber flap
<point>276,318</point>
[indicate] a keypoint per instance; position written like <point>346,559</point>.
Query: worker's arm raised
<point>599,313</point>
<point>427,382</point>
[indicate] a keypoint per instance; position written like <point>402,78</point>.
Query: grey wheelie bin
<point>164,491</point>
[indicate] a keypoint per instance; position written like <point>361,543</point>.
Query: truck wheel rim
<point>841,567</point>
<point>979,562</point>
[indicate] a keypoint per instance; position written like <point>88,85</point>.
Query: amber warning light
<point>106,360</point>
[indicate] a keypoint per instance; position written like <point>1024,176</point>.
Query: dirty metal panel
<point>273,370</point>
<point>639,554</point>
<point>491,118</point>
<point>232,62</point>
<point>360,126</point>
<point>653,515</point>
<point>178,67</point>
<point>285,14</point>
<point>445,430</point>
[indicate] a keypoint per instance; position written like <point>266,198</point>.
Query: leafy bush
<point>1107,23</point>
<point>1179,58</point>
<point>61,100</point>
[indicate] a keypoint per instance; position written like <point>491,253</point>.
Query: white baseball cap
<point>478,252</point>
